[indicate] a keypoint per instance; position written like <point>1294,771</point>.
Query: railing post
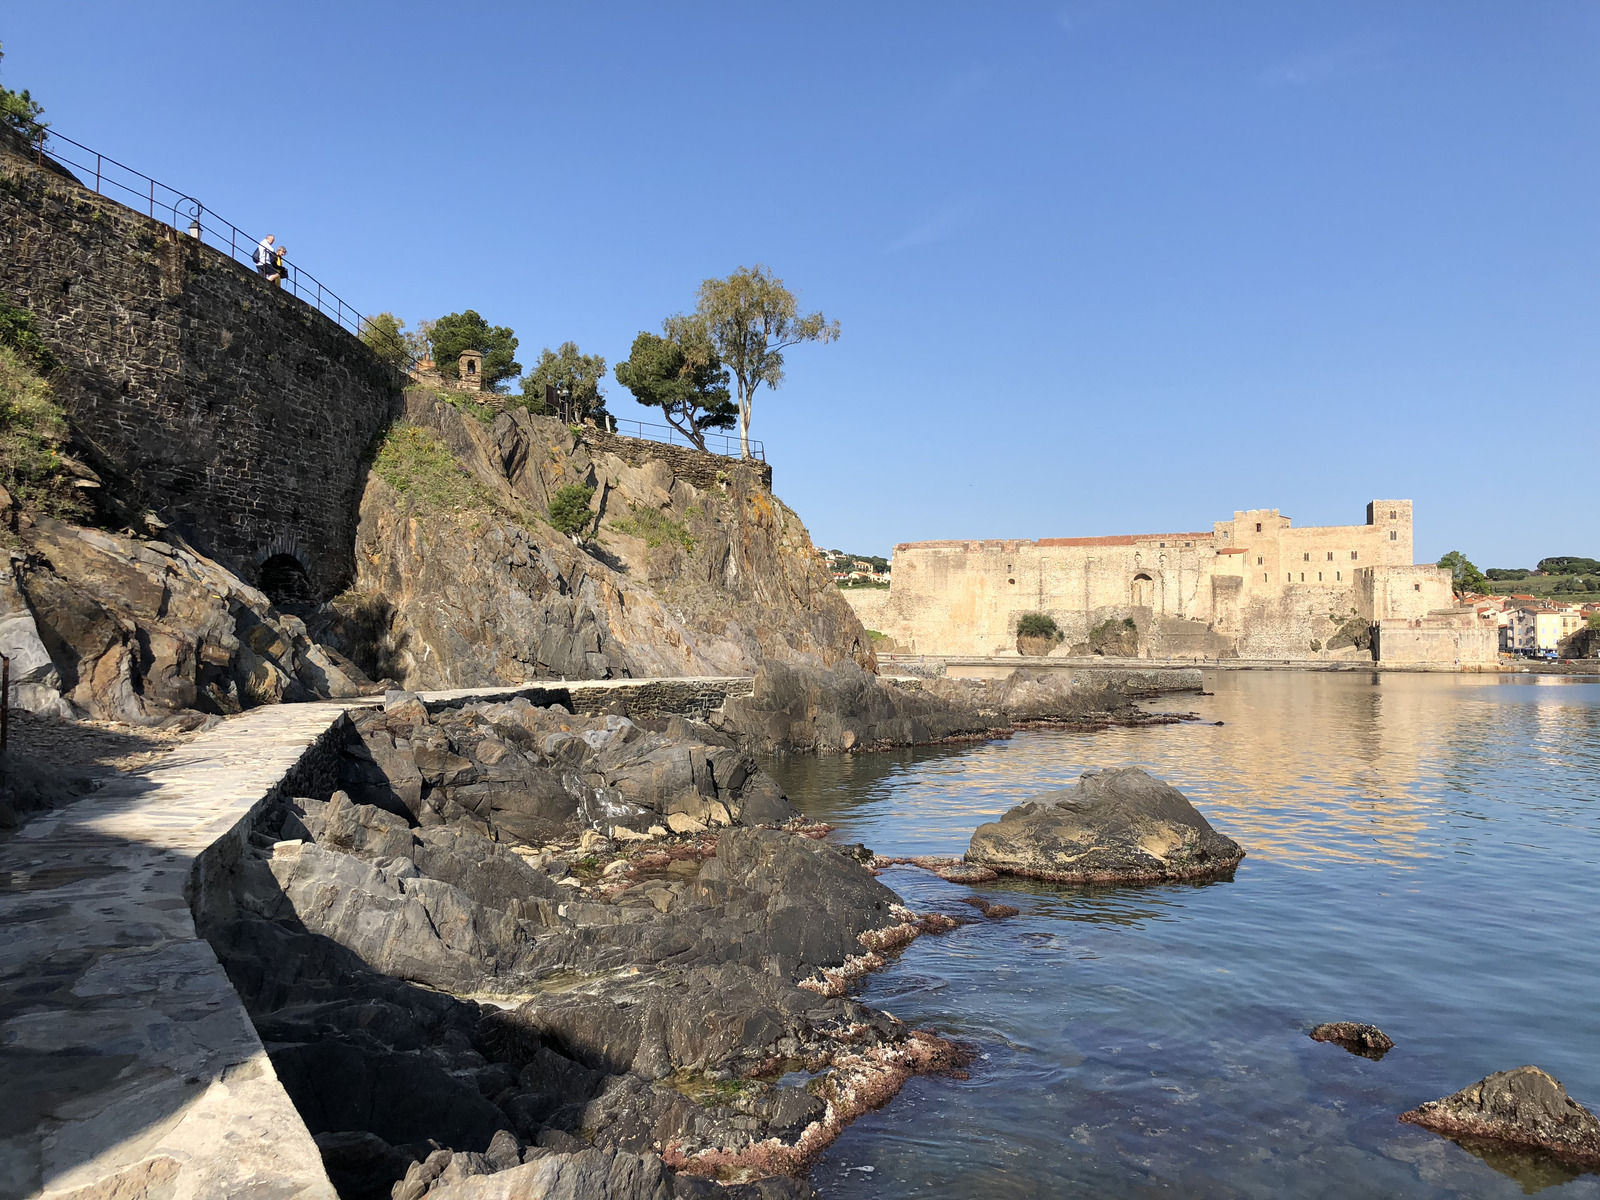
<point>97,172</point>
<point>152,199</point>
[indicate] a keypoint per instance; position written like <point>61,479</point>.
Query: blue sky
<point>1101,267</point>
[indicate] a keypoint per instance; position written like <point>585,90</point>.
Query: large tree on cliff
<point>750,319</point>
<point>575,376</point>
<point>682,376</point>
<point>468,331</point>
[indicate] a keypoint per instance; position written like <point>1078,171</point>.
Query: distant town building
<point>1541,628</point>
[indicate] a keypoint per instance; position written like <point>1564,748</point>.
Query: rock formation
<point>140,630</point>
<point>1524,1108</point>
<point>470,990</point>
<point>1366,1040</point>
<point>1116,826</point>
<point>671,577</point>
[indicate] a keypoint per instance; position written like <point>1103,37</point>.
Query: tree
<point>574,376</point>
<point>750,319</point>
<point>21,112</point>
<point>1566,564</point>
<point>452,334</point>
<point>1502,574</point>
<point>569,508</point>
<point>682,376</point>
<point>387,336</point>
<point>1464,576</point>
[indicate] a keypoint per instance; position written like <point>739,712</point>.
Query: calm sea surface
<point>1423,854</point>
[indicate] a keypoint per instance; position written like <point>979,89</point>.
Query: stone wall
<point>699,467</point>
<point>238,413</point>
<point>1253,586</point>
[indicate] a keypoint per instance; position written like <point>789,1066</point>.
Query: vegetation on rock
<point>33,431</point>
<point>417,464</point>
<point>656,527</point>
<point>682,376</point>
<point>455,332</point>
<point>1039,625</point>
<point>569,508</point>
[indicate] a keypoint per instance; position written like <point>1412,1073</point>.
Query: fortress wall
<point>1255,586</point>
<point>871,605</point>
<point>236,411</point>
<point>1455,638</point>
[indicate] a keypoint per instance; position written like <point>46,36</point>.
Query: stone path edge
<point>128,1065</point>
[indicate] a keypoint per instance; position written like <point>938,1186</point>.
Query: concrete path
<point>128,1066</point>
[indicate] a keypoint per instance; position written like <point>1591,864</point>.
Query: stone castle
<point>1250,587</point>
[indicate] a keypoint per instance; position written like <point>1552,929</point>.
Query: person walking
<point>264,255</point>
<point>280,268</point>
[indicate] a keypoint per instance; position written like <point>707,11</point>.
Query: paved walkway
<point>128,1065</point>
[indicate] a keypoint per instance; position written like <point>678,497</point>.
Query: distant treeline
<point>1559,565</point>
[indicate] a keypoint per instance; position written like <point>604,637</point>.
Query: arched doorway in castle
<point>284,579</point>
<point>1143,592</point>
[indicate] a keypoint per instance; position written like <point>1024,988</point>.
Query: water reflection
<point>1422,856</point>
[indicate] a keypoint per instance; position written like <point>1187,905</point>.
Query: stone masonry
<point>239,414</point>
<point>1254,587</point>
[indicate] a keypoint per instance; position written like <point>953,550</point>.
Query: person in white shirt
<point>264,257</point>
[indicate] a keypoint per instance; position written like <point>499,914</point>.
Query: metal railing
<point>716,443</point>
<point>138,191</point>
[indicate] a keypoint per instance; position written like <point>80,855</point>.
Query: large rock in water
<point>1523,1108</point>
<point>1116,826</point>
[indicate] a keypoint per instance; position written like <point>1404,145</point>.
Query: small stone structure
<point>469,373</point>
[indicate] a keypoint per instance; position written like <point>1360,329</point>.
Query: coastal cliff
<point>461,579</point>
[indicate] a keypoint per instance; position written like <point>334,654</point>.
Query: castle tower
<point>471,365</point>
<point>1392,521</point>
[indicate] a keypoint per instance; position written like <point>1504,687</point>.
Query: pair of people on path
<point>269,260</point>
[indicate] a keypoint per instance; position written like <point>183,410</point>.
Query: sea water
<point>1423,855</point>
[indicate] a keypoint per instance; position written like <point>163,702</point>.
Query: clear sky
<point>1101,267</point>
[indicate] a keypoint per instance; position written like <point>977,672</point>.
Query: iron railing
<point>717,443</point>
<point>138,191</point>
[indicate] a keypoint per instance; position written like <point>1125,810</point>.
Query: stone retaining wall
<point>699,467</point>
<point>239,413</point>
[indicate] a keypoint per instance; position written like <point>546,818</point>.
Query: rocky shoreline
<point>462,982</point>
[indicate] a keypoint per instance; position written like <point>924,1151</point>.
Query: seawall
<point>128,1065</point>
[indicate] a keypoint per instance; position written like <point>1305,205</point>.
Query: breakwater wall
<point>128,1064</point>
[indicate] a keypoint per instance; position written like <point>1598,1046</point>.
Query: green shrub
<point>569,508</point>
<point>16,331</point>
<point>33,430</point>
<point>655,527</point>
<point>417,464</point>
<point>1037,625</point>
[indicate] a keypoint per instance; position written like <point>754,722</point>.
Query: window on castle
<point>1319,576</point>
<point>1263,577</point>
<point>1330,555</point>
<point>1258,526</point>
<point>1393,514</point>
<point>1352,556</point>
<point>1188,543</point>
<point>1258,560</point>
<point>1338,576</point>
<point>1302,576</point>
<point>1306,557</point>
<point>1416,587</point>
<point>1394,535</point>
<point>1163,545</point>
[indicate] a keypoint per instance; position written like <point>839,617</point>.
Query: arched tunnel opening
<point>284,579</point>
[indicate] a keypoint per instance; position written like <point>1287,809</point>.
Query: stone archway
<point>1142,593</point>
<point>284,579</point>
